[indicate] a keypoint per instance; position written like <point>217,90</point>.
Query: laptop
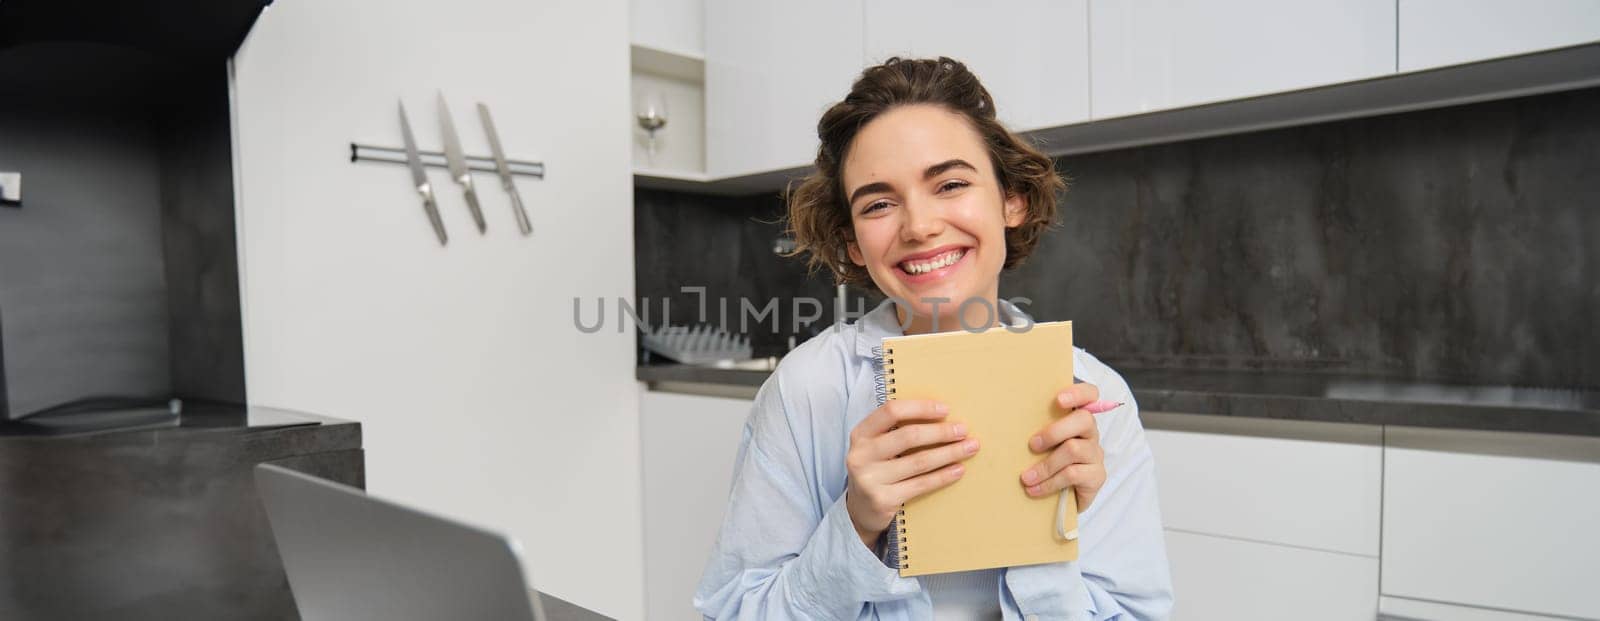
<point>352,556</point>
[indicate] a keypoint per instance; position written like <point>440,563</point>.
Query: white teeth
<point>923,267</point>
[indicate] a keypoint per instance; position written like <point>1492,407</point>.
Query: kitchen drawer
<point>1215,578</point>
<point>1496,520</point>
<point>1315,485</point>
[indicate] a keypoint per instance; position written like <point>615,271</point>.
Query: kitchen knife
<point>505,170</point>
<point>457,161</point>
<point>420,177</point>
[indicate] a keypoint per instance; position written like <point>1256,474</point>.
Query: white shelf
<point>692,181</point>
<point>675,64</point>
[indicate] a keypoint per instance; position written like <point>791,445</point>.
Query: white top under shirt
<point>964,595</point>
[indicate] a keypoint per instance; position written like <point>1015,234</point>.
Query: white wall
<point>478,397</point>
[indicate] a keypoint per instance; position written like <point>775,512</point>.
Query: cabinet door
<point>1033,56</point>
<point>771,69</point>
<point>1435,33</point>
<point>1318,488</point>
<point>688,445</point>
<point>1215,578</point>
<point>673,25</point>
<point>1156,54</point>
<point>1496,520</point>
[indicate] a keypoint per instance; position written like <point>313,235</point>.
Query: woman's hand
<point>886,467</point>
<point>1073,443</point>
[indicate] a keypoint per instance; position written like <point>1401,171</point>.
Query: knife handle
<point>432,209</point>
<point>520,212</point>
<point>477,212</point>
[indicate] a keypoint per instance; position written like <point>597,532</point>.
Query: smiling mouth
<point>929,264</point>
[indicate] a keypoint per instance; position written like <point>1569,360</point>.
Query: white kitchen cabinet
<point>1155,54</point>
<point>1033,56</point>
<point>1313,485</point>
<point>1216,578</point>
<point>671,25</point>
<point>688,444</point>
<point>771,70</point>
<point>1436,33</point>
<point>1495,520</point>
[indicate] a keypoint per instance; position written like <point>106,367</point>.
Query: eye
<point>874,206</point>
<point>952,185</point>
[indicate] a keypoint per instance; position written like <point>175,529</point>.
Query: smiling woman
<point>912,175</point>
<point>920,193</point>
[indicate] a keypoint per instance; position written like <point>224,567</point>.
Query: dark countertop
<point>557,609</point>
<point>1305,396</point>
<point>160,521</point>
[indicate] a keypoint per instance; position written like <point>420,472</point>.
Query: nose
<point>922,222</point>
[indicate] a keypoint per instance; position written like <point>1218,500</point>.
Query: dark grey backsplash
<point>119,273</point>
<point>1453,245</point>
<point>724,244</point>
<point>81,274</point>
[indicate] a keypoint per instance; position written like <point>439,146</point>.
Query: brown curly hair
<point>819,216</point>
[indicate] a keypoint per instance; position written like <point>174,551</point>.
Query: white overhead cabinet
<point>771,69</point>
<point>1033,55</point>
<point>1436,33</point>
<point>671,25</point>
<point>1152,55</point>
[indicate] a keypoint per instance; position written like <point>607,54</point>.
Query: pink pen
<point>1100,407</point>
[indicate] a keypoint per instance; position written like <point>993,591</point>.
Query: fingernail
<point>941,408</point>
<point>960,430</point>
<point>1029,477</point>
<point>1035,490</point>
<point>957,471</point>
<point>1036,443</point>
<point>970,446</point>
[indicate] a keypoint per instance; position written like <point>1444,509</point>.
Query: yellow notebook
<point>1003,385</point>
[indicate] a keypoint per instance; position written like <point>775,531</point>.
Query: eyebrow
<point>927,173</point>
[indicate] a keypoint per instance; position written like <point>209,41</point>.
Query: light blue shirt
<point>788,550</point>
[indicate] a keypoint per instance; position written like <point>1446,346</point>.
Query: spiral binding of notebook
<point>898,548</point>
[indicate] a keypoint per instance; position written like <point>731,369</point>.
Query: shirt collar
<point>882,322</point>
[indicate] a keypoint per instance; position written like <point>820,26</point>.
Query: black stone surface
<point>1454,245</point>
<point>1303,396</point>
<point>724,244</point>
<point>160,523</point>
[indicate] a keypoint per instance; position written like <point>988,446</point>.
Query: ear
<point>1016,207</point>
<point>854,250</point>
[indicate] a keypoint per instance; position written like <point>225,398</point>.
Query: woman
<point>922,194</point>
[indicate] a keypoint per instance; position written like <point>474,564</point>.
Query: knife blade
<point>420,178</point>
<point>457,161</point>
<point>505,170</point>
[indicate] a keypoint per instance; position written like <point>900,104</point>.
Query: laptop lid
<point>352,556</point>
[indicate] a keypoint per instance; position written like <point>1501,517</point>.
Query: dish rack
<point>702,344</point>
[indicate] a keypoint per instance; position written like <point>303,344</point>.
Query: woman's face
<point>928,211</point>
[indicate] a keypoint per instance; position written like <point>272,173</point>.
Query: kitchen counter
<point>1284,395</point>
<point>160,522</point>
